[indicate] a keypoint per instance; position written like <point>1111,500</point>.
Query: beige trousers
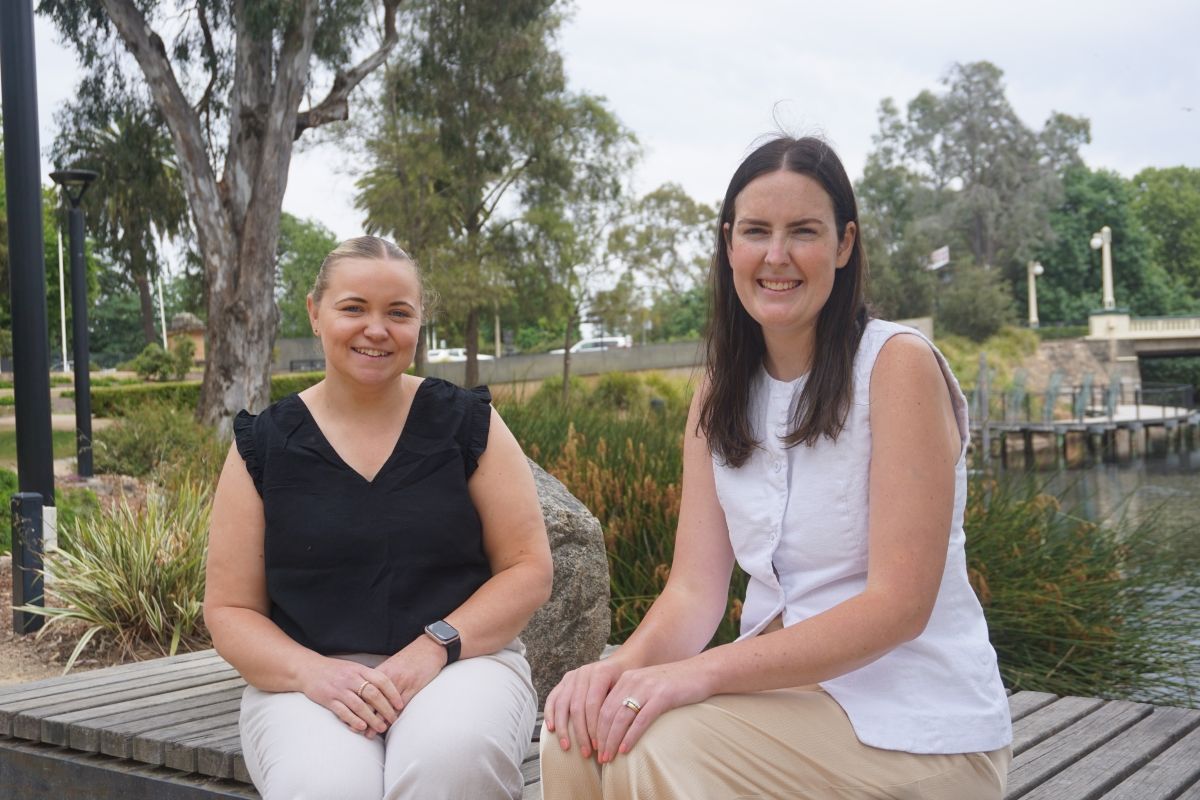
<point>796,744</point>
<point>462,737</point>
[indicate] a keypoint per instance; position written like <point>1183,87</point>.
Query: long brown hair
<point>734,341</point>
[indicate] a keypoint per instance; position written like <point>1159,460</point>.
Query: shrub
<point>136,575</point>
<point>618,390</point>
<point>549,394</point>
<point>976,304</point>
<point>159,440</point>
<point>74,505</point>
<point>184,354</point>
<point>1005,352</point>
<point>154,363</point>
<point>8,400</point>
<point>292,382</point>
<point>117,400</point>
<point>675,394</point>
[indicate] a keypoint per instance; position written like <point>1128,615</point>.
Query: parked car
<point>441,355</point>
<point>597,344</point>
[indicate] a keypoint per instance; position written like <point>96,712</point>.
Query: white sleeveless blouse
<point>798,524</point>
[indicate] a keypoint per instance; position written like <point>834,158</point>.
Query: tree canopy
<point>229,81</point>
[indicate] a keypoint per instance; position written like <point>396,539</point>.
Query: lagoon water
<point>1163,487</point>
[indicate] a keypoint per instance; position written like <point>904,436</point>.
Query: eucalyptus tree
<point>137,201</point>
<point>960,169</point>
<point>229,79</point>
<point>474,124</point>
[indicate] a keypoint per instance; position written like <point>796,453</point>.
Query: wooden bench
<point>167,730</point>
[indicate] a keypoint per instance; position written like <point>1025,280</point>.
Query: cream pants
<point>788,743</point>
<point>462,737</point>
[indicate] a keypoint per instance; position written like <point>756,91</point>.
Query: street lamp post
<point>1102,241</point>
<point>1032,270</point>
<point>27,295</point>
<point>74,183</point>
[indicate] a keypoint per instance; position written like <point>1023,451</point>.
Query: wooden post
<point>984,400</point>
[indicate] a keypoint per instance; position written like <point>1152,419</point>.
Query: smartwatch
<point>447,636</point>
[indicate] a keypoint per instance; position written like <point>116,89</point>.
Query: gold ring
<point>365,684</point>
<point>632,705</point>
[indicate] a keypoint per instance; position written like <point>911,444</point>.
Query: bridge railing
<point>1120,325</point>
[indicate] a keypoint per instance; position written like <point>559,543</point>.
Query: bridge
<point>1146,336</point>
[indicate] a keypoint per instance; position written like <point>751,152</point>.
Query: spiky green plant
<point>135,574</point>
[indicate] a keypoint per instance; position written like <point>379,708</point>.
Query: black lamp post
<point>27,291</point>
<point>74,183</point>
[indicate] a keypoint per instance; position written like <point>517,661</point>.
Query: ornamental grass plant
<point>134,575</point>
<point>1076,608</point>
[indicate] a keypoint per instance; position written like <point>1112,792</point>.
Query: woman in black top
<point>376,547</point>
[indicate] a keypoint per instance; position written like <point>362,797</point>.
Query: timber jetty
<point>1085,423</point>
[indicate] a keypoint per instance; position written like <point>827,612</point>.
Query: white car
<point>597,344</point>
<point>442,355</point>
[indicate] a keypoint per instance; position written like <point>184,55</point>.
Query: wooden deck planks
<point>1106,766</point>
<point>1167,775</point>
<point>179,715</point>
<point>1039,763</point>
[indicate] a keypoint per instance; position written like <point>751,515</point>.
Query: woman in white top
<point>825,452</point>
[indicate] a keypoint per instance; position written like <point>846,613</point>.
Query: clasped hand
<point>370,700</point>
<point>588,705</point>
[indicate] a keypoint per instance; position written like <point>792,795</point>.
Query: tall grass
<point>1072,608</point>
<point>135,575</point>
<point>621,455</point>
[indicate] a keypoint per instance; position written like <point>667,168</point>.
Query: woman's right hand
<point>573,707</point>
<point>335,684</point>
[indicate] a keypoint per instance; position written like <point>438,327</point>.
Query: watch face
<point>442,631</point>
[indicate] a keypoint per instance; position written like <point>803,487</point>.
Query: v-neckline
<point>346,464</point>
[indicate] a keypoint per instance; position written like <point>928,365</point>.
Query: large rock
<point>573,626</point>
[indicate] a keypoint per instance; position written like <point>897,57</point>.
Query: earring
<point>315,333</point>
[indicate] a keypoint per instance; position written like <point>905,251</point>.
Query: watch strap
<point>453,651</point>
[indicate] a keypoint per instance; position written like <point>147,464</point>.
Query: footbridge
<point>1146,336</point>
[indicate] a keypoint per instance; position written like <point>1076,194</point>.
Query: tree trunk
<point>422,353</point>
<point>238,346</point>
<point>146,300</point>
<point>566,390</point>
<point>237,216</point>
<point>472,334</point>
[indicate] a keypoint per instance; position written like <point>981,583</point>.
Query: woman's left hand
<point>656,689</point>
<point>414,667</point>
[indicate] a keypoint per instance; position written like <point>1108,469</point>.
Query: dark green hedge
<point>115,401</point>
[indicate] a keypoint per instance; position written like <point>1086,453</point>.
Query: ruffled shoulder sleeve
<point>477,422</point>
<point>250,444</point>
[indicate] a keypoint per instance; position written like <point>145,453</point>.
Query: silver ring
<point>365,684</point>
<point>632,705</point>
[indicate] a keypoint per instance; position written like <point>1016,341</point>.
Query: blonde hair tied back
<point>365,248</point>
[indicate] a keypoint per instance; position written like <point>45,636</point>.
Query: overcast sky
<point>699,81</point>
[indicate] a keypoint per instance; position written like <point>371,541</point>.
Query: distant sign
<point>939,258</point>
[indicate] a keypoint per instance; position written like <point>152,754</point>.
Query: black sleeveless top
<point>358,566</point>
